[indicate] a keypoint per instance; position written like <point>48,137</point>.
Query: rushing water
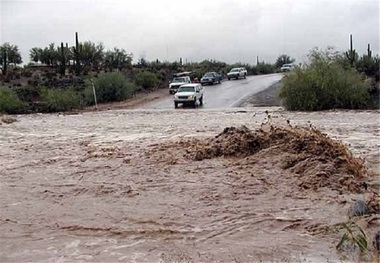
<point>85,188</point>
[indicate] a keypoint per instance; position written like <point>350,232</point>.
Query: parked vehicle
<point>237,73</point>
<point>287,67</point>
<point>189,94</point>
<point>177,82</point>
<point>211,78</point>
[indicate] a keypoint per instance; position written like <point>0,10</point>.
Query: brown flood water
<point>122,186</point>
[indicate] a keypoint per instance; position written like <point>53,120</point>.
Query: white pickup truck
<point>237,73</point>
<point>177,82</point>
<point>189,94</point>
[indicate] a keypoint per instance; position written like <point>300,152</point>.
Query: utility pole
<point>93,90</point>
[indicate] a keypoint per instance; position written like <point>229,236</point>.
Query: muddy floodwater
<point>123,186</point>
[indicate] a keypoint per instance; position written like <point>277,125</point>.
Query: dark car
<point>211,78</point>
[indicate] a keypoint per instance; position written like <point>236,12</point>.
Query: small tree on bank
<point>283,59</point>
<point>9,54</point>
<point>112,86</point>
<point>324,84</point>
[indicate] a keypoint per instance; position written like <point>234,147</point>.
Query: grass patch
<point>10,102</point>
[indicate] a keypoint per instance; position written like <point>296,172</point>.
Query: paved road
<point>228,94</point>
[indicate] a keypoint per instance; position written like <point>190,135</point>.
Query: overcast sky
<point>225,30</point>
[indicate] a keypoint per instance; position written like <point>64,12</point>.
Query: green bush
<point>370,66</point>
<point>10,102</point>
<point>109,87</point>
<point>27,94</point>
<point>324,84</point>
<point>264,68</point>
<point>146,80</point>
<point>56,100</point>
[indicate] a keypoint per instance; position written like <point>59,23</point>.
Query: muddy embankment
<point>265,98</point>
<point>235,185</point>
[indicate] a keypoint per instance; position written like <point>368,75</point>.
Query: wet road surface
<point>228,94</point>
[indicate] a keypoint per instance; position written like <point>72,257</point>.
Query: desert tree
<point>283,59</point>
<point>35,54</point>
<point>91,55</point>
<point>9,54</point>
<point>117,59</point>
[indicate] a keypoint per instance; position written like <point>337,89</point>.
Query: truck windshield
<point>186,89</point>
<point>235,70</point>
<point>178,80</point>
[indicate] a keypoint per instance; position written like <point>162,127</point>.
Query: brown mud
<point>312,157</point>
<point>7,119</point>
<point>138,100</point>
<point>266,98</point>
<point>148,186</point>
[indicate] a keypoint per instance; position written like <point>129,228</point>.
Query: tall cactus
<point>76,54</point>
<point>351,53</point>
<point>68,56</point>
<point>369,52</point>
<point>63,59</point>
<point>5,62</point>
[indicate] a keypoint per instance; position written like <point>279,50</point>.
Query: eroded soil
<point>142,185</point>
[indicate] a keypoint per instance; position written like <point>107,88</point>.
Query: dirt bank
<point>265,98</point>
<point>125,185</point>
<point>134,103</point>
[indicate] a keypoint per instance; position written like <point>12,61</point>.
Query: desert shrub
<point>27,94</point>
<point>264,68</point>
<point>324,84</point>
<point>9,101</point>
<point>146,80</point>
<point>370,66</point>
<point>109,87</point>
<point>283,59</point>
<point>59,99</point>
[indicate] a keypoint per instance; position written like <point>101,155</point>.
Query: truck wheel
<point>201,101</point>
<point>194,104</point>
<point>175,105</point>
<point>245,76</point>
<point>228,78</point>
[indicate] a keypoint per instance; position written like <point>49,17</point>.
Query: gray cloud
<point>227,30</point>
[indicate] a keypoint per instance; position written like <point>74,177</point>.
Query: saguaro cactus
<point>5,62</point>
<point>76,54</point>
<point>369,52</point>
<point>351,54</point>
<point>63,59</point>
<point>68,56</point>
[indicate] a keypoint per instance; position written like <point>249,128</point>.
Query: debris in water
<point>317,160</point>
<point>8,119</point>
<point>359,208</point>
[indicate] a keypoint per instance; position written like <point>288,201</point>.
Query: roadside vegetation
<point>113,86</point>
<point>333,80</point>
<point>59,77</point>
<point>9,101</point>
<point>59,99</point>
